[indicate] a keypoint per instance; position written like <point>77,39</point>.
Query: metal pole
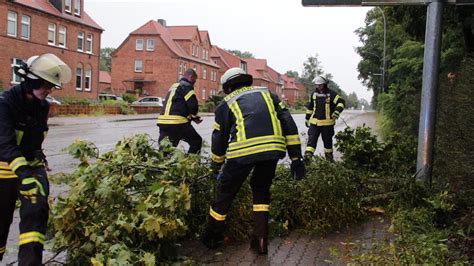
<point>384,47</point>
<point>424,162</point>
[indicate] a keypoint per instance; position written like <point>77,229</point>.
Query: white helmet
<point>49,68</point>
<point>319,80</point>
<point>234,76</point>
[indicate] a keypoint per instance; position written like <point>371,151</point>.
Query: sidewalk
<point>298,248</point>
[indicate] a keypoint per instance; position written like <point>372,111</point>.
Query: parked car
<point>52,100</point>
<point>149,101</point>
<point>105,97</point>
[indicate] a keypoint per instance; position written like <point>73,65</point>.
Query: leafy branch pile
<point>132,205</point>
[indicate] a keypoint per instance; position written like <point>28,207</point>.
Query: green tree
<point>311,68</point>
<point>106,58</point>
<point>352,101</point>
<point>293,74</point>
<point>241,54</point>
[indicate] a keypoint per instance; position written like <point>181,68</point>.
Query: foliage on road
<point>132,204</point>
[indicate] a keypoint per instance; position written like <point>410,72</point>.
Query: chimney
<point>162,22</point>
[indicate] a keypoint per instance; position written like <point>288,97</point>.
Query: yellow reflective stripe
<point>256,149</point>
<point>327,150</point>
<point>217,126</point>
<point>322,122</point>
<point>19,136</point>
<point>29,237</point>
<point>310,149</point>
<point>2,250</point>
<point>328,110</point>
<point>282,105</point>
<point>255,141</point>
<point>215,215</point>
<point>292,140</point>
<point>236,92</point>
<point>17,163</point>
<point>272,112</point>
<point>45,134</point>
<point>31,180</point>
<point>340,105</point>
<point>261,207</point>
<point>336,99</point>
<point>170,98</point>
<point>308,111</point>
<point>4,174</point>
<point>217,158</point>
<point>234,107</point>
<point>189,94</point>
<point>171,119</point>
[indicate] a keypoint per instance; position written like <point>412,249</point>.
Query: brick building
<point>292,90</point>
<point>226,60</point>
<point>155,56</point>
<point>60,27</point>
<point>105,82</point>
<point>265,76</point>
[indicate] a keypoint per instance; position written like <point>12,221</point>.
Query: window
<point>138,66</point>
<point>12,25</point>
<point>150,45</point>
<point>89,43</point>
<point>203,94</point>
<point>195,68</point>
<point>79,77</point>
<point>62,36</point>
<point>204,73</point>
<point>139,45</point>
<point>15,78</point>
<point>192,53</point>
<point>77,7</point>
<point>207,55</point>
<point>181,68</point>
<point>88,79</point>
<point>67,6</point>
<point>25,27</point>
<point>52,33</point>
<point>80,41</point>
<point>203,53</point>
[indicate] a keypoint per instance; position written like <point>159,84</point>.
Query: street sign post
<point>424,162</point>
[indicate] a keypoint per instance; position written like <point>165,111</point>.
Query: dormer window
<point>67,6</point>
<point>77,7</point>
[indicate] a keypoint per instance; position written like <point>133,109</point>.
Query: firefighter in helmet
<point>252,131</point>
<point>23,127</point>
<point>322,110</point>
<point>180,108</point>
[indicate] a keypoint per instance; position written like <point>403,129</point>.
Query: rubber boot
<point>259,242</point>
<point>329,156</point>
<point>308,156</point>
<point>213,236</point>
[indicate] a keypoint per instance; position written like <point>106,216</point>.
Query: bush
<point>71,100</point>
<point>129,97</point>
<point>123,105</point>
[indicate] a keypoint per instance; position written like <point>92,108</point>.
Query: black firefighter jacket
<point>322,106</point>
<point>251,125</point>
<point>180,104</point>
<point>23,127</point>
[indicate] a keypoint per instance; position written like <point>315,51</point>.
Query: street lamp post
<point>384,46</point>
<point>381,68</point>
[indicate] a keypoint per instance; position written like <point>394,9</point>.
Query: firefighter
<point>23,127</point>
<point>322,110</point>
<point>252,131</point>
<point>180,108</point>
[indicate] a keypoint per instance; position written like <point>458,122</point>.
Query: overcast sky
<point>281,31</point>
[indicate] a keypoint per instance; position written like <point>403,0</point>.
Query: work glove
<point>297,169</point>
<point>335,115</point>
<point>197,119</point>
<point>306,122</point>
<point>31,188</point>
<point>215,168</point>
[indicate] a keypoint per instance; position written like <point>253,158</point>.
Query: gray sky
<point>281,31</point>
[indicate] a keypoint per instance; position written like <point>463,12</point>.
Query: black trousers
<point>33,215</point>
<point>234,174</point>
<point>326,132</point>
<point>185,132</point>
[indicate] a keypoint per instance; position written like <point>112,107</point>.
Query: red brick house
<point>105,82</point>
<point>226,60</point>
<point>61,27</point>
<point>155,56</point>
<point>265,76</point>
<point>292,90</point>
